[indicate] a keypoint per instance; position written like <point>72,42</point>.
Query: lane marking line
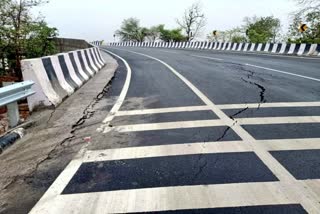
<point>206,57</point>
<point>169,198</point>
<point>122,95</point>
<point>162,110</point>
<point>283,72</point>
<point>292,189</point>
<point>169,125</point>
<point>198,148</point>
<point>278,120</point>
<point>223,106</point>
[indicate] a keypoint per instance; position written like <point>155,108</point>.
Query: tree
<point>153,33</point>
<point>16,31</point>
<point>312,35</point>
<point>131,30</point>
<point>174,35</point>
<point>193,21</point>
<point>262,29</point>
<point>308,6</point>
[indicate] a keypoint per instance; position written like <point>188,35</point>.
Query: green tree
<point>131,30</point>
<point>262,29</point>
<point>17,31</point>
<point>174,35</point>
<point>311,35</point>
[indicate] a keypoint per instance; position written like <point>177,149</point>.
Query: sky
<point>99,19</point>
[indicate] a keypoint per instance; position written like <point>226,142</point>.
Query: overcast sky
<point>98,19</point>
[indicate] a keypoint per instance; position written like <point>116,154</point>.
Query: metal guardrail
<point>10,95</point>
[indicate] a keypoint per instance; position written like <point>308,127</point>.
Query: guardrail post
<point>13,114</point>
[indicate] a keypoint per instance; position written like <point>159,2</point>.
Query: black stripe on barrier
<point>263,47</point>
<point>243,46</point>
<point>307,49</point>
<point>296,49</point>
<point>279,48</point>
<point>270,47</point>
<point>249,47</point>
<point>82,64</point>
<point>66,72</point>
<point>75,67</point>
<point>318,49</point>
<point>94,59</point>
<point>53,77</point>
<point>237,46</point>
<point>88,60</point>
<point>286,50</point>
<point>96,55</point>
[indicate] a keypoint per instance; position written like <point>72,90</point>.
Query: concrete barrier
<point>273,48</point>
<point>59,76</point>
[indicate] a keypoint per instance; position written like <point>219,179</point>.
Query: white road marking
<point>292,189</point>
<point>213,123</point>
<point>284,72</point>
<point>168,198</point>
<point>270,105</point>
<point>278,120</point>
<point>223,106</point>
<point>206,57</point>
<point>167,150</point>
<point>122,95</point>
<point>163,110</point>
<point>169,125</point>
<point>198,148</point>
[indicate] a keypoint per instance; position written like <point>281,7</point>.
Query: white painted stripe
<point>266,49</point>
<point>259,47</point>
<point>313,48</point>
<point>61,79</point>
<point>168,198</point>
<point>198,148</point>
<point>284,72</point>
<point>95,57</point>
<point>291,144</point>
<point>71,70</point>
<point>86,64</point>
<point>240,47</point>
<point>205,57</point>
<point>253,45</point>
<point>283,48</point>
<point>167,150</point>
<point>162,110</point>
<point>275,47</point>
<point>278,120</point>
<point>270,105</point>
<point>95,69</point>
<point>301,49</point>
<point>168,126</point>
<point>292,47</point>
<point>78,64</point>
<point>226,106</point>
<point>123,93</point>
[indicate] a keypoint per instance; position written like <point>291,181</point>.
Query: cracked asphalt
<point>70,131</point>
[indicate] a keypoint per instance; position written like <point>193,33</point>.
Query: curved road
<point>197,131</point>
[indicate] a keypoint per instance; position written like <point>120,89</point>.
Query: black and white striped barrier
<point>57,77</point>
<point>274,48</point>
<point>96,43</point>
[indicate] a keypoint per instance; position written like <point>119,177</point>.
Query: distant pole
<point>114,37</point>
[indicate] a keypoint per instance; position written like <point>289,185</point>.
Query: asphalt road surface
<point>201,132</point>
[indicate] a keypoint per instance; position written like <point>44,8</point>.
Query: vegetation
<point>22,35</point>
<point>254,29</point>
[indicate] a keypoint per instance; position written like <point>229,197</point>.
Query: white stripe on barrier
<point>78,64</point>
<point>275,47</point>
<point>266,49</point>
<point>91,61</point>
<point>240,47</point>
<point>71,70</point>
<point>86,64</point>
<point>253,45</point>
<point>283,48</point>
<point>96,58</point>
<point>246,47</point>
<point>292,47</point>
<point>259,47</point>
<point>61,79</point>
<point>301,49</point>
<point>234,46</point>
<point>313,49</point>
